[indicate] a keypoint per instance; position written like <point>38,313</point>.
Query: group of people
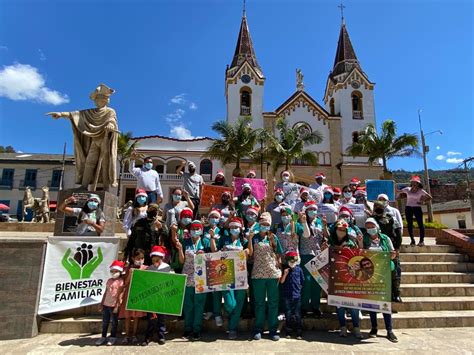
<point>278,241</point>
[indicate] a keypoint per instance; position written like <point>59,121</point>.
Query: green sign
<point>156,292</point>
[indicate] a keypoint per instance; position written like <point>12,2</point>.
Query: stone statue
<point>28,202</point>
<point>95,140</point>
<point>299,80</point>
<point>42,206</point>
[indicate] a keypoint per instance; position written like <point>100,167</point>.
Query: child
<point>292,281</point>
<point>156,321</point>
<point>110,303</point>
<point>137,259</point>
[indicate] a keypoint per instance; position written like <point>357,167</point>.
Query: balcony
<point>6,184</point>
<point>165,177</point>
<point>357,115</point>
<point>244,111</point>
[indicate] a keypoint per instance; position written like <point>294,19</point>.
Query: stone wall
<point>463,243</point>
<point>448,192</point>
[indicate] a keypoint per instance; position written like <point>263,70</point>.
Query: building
<point>455,214</point>
<point>18,170</point>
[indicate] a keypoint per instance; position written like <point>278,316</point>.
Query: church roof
<point>302,94</point>
<point>346,58</point>
<point>244,50</point>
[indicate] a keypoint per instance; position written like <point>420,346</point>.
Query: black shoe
<point>413,243</point>
<point>317,313</point>
<point>421,244</point>
<point>397,299</point>
<point>392,337</point>
<point>196,336</point>
<point>146,342</point>
<point>161,341</point>
<point>373,333</point>
<point>187,335</point>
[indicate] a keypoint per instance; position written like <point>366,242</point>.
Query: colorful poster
<point>220,271</point>
<point>209,191</point>
<point>156,292</point>
<point>318,267</point>
<point>360,279</point>
<point>291,193</point>
<point>328,210</point>
<point>377,187</point>
<point>75,272</point>
<point>259,187</point>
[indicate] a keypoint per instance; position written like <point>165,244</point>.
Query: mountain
<point>454,176</point>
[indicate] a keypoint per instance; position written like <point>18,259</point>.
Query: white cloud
<point>175,116</point>
<point>181,132</point>
<point>454,160</point>
<point>193,106</point>
<point>42,55</point>
<point>438,147</point>
<point>4,48</point>
<point>178,99</point>
<point>21,82</point>
<point>440,157</point>
<point>451,154</point>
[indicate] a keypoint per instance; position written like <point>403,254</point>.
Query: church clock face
<point>245,78</point>
<point>355,84</point>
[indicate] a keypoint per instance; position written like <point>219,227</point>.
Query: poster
<point>156,292</point>
<point>292,193</point>
<point>328,210</point>
<point>212,190</point>
<point>259,187</point>
<point>360,279</point>
<point>359,213</point>
<point>75,272</point>
<point>377,187</point>
<point>318,267</point>
<point>220,271</point>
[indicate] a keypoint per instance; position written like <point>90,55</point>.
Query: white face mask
<point>115,274</point>
<point>292,264</point>
<point>347,194</point>
<point>138,262</point>
<point>286,178</point>
<point>372,231</point>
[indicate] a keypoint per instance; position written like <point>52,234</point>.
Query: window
<point>30,178</point>
<point>7,178</point>
<point>355,137</point>
<point>205,167</point>
<point>461,223</point>
<point>160,169</point>
<point>55,179</point>
<point>331,107</point>
<point>357,105</point>
<point>245,101</point>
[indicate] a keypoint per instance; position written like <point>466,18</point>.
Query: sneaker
<point>101,341</point>
<point>232,335</point>
<point>219,321</point>
<point>187,334</point>
<point>299,337</point>
<point>412,243</point>
<point>207,315</point>
<point>274,336</point>
<point>343,332</point>
<point>126,341</point>
<point>145,342</point>
<point>111,341</point>
<point>356,332</point>
<point>421,244</point>
<point>373,333</point>
<point>391,336</point>
<point>257,336</point>
<point>196,336</point>
<point>281,317</point>
<point>161,341</point>
<point>397,299</point>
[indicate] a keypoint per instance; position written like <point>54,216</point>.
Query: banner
<point>377,187</point>
<point>75,272</point>
<point>208,191</point>
<point>220,271</point>
<point>360,279</point>
<point>291,193</point>
<point>328,210</point>
<point>259,187</point>
<point>156,292</point>
<point>359,213</point>
<point>318,267</point>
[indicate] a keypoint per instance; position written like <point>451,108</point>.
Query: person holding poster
<point>225,207</point>
<point>193,307</point>
<point>90,218</point>
<point>266,250</point>
<point>375,240</point>
<point>286,177</point>
<point>136,211</point>
<point>304,196</point>
<point>310,246</point>
<point>245,200</point>
<point>272,207</point>
<point>172,209</point>
<point>346,214</point>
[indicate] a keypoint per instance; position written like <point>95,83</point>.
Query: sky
<point>166,60</point>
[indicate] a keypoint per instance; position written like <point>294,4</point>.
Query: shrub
<point>428,225</point>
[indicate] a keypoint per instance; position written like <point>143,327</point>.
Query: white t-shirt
<point>84,228</point>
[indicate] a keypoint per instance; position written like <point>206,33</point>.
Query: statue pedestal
<point>66,225</point>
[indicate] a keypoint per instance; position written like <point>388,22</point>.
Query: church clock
<point>245,78</point>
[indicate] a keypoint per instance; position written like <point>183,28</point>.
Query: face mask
<point>186,221</point>
<point>235,231</point>
<point>340,234</point>
<point>327,196</point>
<point>176,198</point>
<point>141,200</point>
<point>92,205</point>
<point>311,213</point>
<point>148,166</point>
<point>378,211</point>
<point>292,264</point>
<point>347,219</point>
<point>278,198</point>
<point>372,231</point>
<point>286,219</point>
<point>250,217</point>
<point>152,214</point>
<point>223,219</point>
<point>196,233</point>
<point>286,178</point>
<point>213,221</point>
<point>115,274</point>
<point>347,195</point>
<point>138,262</point>
<point>264,228</point>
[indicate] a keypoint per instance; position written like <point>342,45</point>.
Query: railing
<point>6,184</point>
<point>165,177</point>
<point>244,111</point>
<point>357,115</point>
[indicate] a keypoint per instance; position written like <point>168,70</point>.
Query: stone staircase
<point>437,292</point>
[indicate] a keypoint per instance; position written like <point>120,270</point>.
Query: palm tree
<point>384,146</point>
<point>125,147</point>
<point>236,142</point>
<point>291,143</point>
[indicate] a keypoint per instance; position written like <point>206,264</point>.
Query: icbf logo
<point>83,263</point>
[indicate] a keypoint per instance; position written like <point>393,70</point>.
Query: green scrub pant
<point>233,304</point>
<point>311,289</point>
<point>193,310</point>
<point>266,288</point>
<point>214,303</point>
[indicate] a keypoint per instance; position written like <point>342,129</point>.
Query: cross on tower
<point>342,7</point>
<point>244,7</point>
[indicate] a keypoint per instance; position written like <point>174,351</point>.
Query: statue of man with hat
<point>95,140</point>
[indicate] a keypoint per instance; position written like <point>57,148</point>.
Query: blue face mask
<point>264,228</point>
<point>327,195</point>
<point>311,213</point>
<point>92,205</point>
<point>250,217</point>
<point>141,200</point>
<point>196,233</point>
<point>235,231</point>
<point>278,198</point>
<point>148,166</point>
<point>213,221</point>
<point>186,221</point>
<point>176,198</point>
<point>286,219</point>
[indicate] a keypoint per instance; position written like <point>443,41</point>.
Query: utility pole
<point>61,182</point>
<point>427,178</point>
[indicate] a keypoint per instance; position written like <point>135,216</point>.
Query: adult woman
<point>219,180</point>
<point>136,211</point>
<point>272,206</point>
<point>330,209</point>
<point>375,240</point>
<point>90,218</point>
<point>172,209</point>
<point>415,196</point>
<point>177,234</point>
<point>245,200</point>
<point>347,196</point>
<point>266,250</point>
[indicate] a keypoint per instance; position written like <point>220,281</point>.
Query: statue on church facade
<point>95,140</point>
<point>299,80</point>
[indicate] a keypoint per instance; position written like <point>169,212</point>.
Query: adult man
<point>354,184</point>
<point>148,179</point>
<point>319,185</point>
<point>394,212</point>
<point>192,183</point>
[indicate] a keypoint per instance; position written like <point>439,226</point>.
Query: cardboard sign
<point>318,267</point>
<point>208,191</point>
<point>259,187</point>
<point>328,210</point>
<point>291,193</point>
<point>377,187</point>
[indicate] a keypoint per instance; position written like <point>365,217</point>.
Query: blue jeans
<point>293,315</point>
<point>158,323</point>
<point>387,318</point>
<point>152,196</point>
<point>107,314</point>
<point>341,316</point>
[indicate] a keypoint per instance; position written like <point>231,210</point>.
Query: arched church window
<point>357,111</point>
<point>245,101</point>
<point>205,167</point>
<point>331,107</point>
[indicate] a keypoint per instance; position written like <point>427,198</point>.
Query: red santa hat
<point>196,224</point>
<point>158,250</point>
<point>214,212</point>
<point>310,205</point>
<point>220,173</point>
<point>140,192</point>
<point>328,189</point>
<point>345,210</point>
<point>354,181</point>
<point>285,173</point>
<point>186,212</point>
<point>247,186</point>
<point>320,175</point>
<point>360,191</point>
<point>337,191</point>
<point>117,265</point>
<point>303,190</point>
<point>291,254</point>
<point>226,193</point>
<point>252,209</point>
<point>252,172</point>
<point>236,222</point>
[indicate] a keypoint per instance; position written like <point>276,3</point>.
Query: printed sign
<point>75,272</point>
<point>156,292</point>
<point>220,271</point>
<point>209,191</point>
<point>359,213</point>
<point>318,267</point>
<point>360,279</point>
<point>328,210</point>
<point>259,187</point>
<point>292,193</point>
<point>377,187</point>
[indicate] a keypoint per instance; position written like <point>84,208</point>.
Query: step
<point>428,249</point>
<point>416,319</point>
<point>436,266</point>
<point>454,303</point>
<point>437,290</point>
<point>436,277</point>
<point>428,257</point>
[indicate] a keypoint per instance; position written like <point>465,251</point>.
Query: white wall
<point>451,219</point>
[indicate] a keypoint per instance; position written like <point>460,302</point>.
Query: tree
<point>291,144</point>
<point>125,147</point>
<point>7,149</point>
<point>384,146</point>
<point>236,142</point>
